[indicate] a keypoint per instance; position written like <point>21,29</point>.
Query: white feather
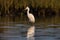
<point>31,30</point>
<point>31,17</point>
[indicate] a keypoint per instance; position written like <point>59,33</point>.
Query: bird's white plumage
<point>31,30</point>
<point>30,16</point>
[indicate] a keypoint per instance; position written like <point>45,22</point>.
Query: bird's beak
<point>24,9</point>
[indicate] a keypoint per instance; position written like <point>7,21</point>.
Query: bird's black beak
<point>25,10</point>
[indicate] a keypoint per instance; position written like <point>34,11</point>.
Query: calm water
<point>18,32</point>
<point>16,29</point>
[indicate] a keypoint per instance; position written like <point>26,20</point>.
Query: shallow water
<point>19,32</point>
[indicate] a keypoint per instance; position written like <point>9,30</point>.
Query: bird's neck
<point>27,12</point>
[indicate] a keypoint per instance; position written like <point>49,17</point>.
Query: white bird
<point>31,29</point>
<point>30,16</point>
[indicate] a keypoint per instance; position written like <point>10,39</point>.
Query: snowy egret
<point>30,15</point>
<point>31,29</point>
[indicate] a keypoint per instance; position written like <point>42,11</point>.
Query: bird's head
<point>27,8</point>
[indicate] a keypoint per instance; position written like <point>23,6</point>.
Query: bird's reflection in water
<point>31,33</point>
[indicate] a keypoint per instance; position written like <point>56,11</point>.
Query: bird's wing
<point>31,17</point>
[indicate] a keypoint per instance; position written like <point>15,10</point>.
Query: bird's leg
<point>28,23</point>
<point>31,24</point>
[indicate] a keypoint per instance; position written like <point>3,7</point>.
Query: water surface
<point>19,32</point>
